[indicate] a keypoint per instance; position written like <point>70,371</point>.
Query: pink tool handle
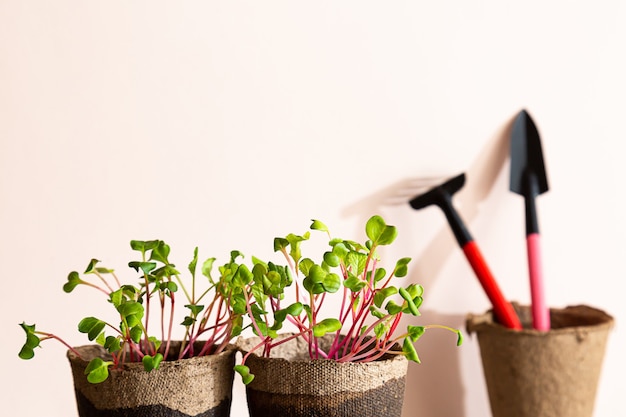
<point>541,313</point>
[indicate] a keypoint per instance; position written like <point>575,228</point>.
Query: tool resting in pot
<point>441,196</point>
<point>528,178</point>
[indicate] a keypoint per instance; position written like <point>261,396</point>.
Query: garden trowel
<point>528,178</point>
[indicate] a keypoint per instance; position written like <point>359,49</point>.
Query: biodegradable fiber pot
<point>543,374</point>
<point>199,387</point>
<point>290,384</point>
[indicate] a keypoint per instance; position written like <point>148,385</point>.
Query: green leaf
<point>32,341</point>
<point>376,312</point>
<point>278,322</point>
<point>332,283</point>
<point>417,301</point>
<point>312,287</point>
<point>73,280</point>
<point>379,232</point>
<point>207,266</point>
<point>166,271</point>
<point>238,303</point>
<point>317,274</point>
<point>379,274</point>
<point>393,308</point>
<point>151,363</point>
<point>237,326</point>
<point>411,305</point>
<point>136,333</point>
<point>256,260</point>
<point>143,246</point>
<point>262,327</point>
<point>305,266</point>
<point>388,236</point>
<point>374,227</point>
<point>341,250</point>
<point>133,320</point>
<point>234,254</point>
<point>331,259</point>
<point>354,283</point>
<point>156,342</point>
<point>188,321</point>
<point>26,352</point>
<point>415,290</point>
<point>257,311</point>
<point>382,294</point>
<point>351,245</point>
<point>295,243</point>
<point>318,225</point>
<point>90,268</point>
<point>193,263</point>
<point>112,344</point>
<point>380,330</point>
<point>146,267</point>
<point>258,295</point>
<point>280,244</point>
<point>271,283</point>
<point>160,252</point>
<point>171,286</point>
<point>326,326</point>
<point>195,308</point>
<point>459,340</point>
<point>131,308</point>
<point>309,312</point>
<point>356,261</point>
<point>243,275</point>
<point>116,297</point>
<point>415,332</point>
<point>244,371</point>
<point>132,312</point>
<point>402,269</point>
<point>92,326</point>
<point>130,291</point>
<point>97,371</point>
<point>293,310</point>
<point>409,351</point>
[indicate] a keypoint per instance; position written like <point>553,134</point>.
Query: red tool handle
<point>502,309</point>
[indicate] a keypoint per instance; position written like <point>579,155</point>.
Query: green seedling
<point>141,328</point>
<point>372,299</point>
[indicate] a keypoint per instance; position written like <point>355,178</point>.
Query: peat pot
<point>199,387</point>
<point>290,384</point>
<point>543,374</point>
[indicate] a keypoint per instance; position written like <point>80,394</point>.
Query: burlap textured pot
<point>290,384</point>
<point>199,387</point>
<point>543,374</point>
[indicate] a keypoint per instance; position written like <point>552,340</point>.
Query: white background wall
<point>224,124</point>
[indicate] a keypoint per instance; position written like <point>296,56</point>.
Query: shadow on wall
<point>435,388</point>
<point>480,179</point>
